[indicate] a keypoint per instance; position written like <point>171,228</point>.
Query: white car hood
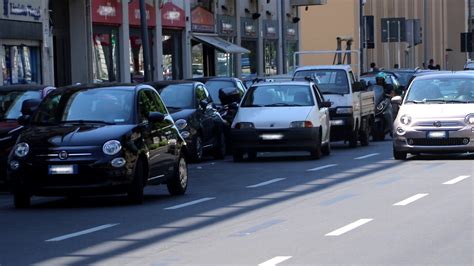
<point>272,117</point>
<point>427,111</point>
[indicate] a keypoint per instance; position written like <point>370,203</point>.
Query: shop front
<point>20,50</point>
<point>249,33</point>
<point>173,23</point>
<point>270,47</point>
<point>106,21</point>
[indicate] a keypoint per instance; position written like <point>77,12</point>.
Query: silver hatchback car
<point>436,116</point>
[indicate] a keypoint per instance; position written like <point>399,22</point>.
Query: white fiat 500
<point>286,116</point>
<point>436,116</point>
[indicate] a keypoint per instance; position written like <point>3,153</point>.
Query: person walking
<point>373,67</point>
<point>431,65</point>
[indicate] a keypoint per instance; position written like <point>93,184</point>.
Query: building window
<point>137,66</point>
<point>270,57</point>
<point>291,48</point>
<point>20,64</point>
<point>105,55</point>
<point>206,4</point>
<point>172,52</point>
<point>249,61</point>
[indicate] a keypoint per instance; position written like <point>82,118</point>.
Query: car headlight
<point>405,120</point>
<point>181,124</point>
<point>244,125</point>
<point>470,119</point>
<point>22,149</point>
<point>381,106</point>
<point>112,147</point>
<point>344,110</point>
<point>301,124</point>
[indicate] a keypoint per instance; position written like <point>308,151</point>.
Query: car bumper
<point>89,179</point>
<point>295,139</point>
<point>418,141</point>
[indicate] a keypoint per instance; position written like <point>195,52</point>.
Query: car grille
<point>439,142</point>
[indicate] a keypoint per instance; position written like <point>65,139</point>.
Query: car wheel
<point>238,156</point>
<point>21,199</point>
<point>316,152</point>
<point>135,193</point>
<point>326,149</point>
<point>197,154</point>
<point>252,156</point>
<point>178,184</point>
<point>220,149</point>
<point>353,139</point>
<point>399,155</point>
<point>365,136</point>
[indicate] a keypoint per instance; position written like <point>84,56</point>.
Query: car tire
<point>135,193</point>
<point>238,156</point>
<point>178,183</point>
<point>197,151</point>
<point>399,155</point>
<point>316,152</point>
<point>252,156</point>
<point>326,150</point>
<point>353,139</point>
<point>221,147</point>
<point>365,135</point>
<point>21,199</point>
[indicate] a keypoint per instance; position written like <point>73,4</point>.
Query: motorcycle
<point>383,114</point>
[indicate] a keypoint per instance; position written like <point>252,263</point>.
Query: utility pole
<point>361,35</point>
<point>145,42</point>
<point>425,32</point>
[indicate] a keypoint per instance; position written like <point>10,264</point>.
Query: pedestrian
<point>373,67</point>
<point>396,66</point>
<point>438,67</point>
<point>431,65</point>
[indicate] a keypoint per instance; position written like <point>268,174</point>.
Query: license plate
<point>62,169</point>
<point>437,134</point>
<point>271,136</point>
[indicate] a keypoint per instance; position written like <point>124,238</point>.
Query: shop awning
<point>220,44</point>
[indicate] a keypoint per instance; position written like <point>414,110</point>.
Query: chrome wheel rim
<point>183,172</point>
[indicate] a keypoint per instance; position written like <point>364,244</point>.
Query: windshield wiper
<point>282,104</point>
<point>414,101</point>
<point>252,105</point>
<point>173,107</point>
<point>86,122</point>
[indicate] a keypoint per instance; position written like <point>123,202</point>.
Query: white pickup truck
<point>353,107</point>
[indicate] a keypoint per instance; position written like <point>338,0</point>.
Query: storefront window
<point>105,56</point>
<point>20,64</point>
<point>172,66</point>
<point>137,66</point>
<point>270,59</point>
<point>249,61</point>
<point>292,47</point>
<point>225,65</point>
<point>197,60</point>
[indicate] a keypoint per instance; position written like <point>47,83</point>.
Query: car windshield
<point>100,105</point>
<point>278,96</point>
<point>213,86</point>
<point>11,102</point>
<point>441,90</point>
<point>178,96</point>
<point>330,81</point>
<point>404,77</point>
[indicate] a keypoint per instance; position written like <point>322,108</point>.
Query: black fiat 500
<point>98,139</point>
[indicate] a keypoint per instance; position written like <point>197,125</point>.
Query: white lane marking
<point>411,199</point>
<point>456,180</point>
<point>366,156</point>
<point>266,183</point>
<point>88,231</point>
<point>349,227</point>
<point>275,261</point>
<point>321,167</point>
<point>188,204</point>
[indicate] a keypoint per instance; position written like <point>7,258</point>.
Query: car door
<point>323,114</point>
<point>205,115</point>
<point>154,138</point>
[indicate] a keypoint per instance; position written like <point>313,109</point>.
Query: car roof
<point>206,79</point>
<point>23,87</point>
<point>163,83</point>
<point>91,86</point>
<point>460,74</point>
<point>315,67</point>
<point>283,83</point>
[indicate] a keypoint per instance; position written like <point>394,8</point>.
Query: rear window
<point>330,81</point>
<point>178,96</point>
<point>278,96</point>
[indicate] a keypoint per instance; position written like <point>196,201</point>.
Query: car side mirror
<point>28,107</point>
<point>397,100</point>
<point>203,104</point>
<point>155,117</point>
<point>24,120</point>
<point>325,104</point>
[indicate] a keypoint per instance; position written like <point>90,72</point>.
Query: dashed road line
<point>266,183</point>
<point>188,204</point>
<point>366,156</point>
<point>411,199</point>
<point>349,227</point>
<point>456,180</point>
<point>275,261</point>
<point>321,167</point>
<point>80,233</point>
<point>259,227</point>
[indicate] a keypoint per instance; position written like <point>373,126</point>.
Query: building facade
<point>395,32</point>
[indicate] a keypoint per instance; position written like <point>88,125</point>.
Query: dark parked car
<point>200,124</point>
<point>11,102</point>
<point>98,139</point>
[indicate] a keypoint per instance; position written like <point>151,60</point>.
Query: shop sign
<point>134,13</point>
<point>202,20</point>
<point>172,16</point>
<point>24,10</point>
<point>107,11</point>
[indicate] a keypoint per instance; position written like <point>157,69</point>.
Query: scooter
<point>383,114</point>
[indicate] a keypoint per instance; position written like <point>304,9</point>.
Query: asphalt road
<point>357,207</point>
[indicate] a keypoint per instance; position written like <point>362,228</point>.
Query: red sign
<point>202,20</point>
<point>107,11</point>
<point>172,16</point>
<point>134,13</point>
